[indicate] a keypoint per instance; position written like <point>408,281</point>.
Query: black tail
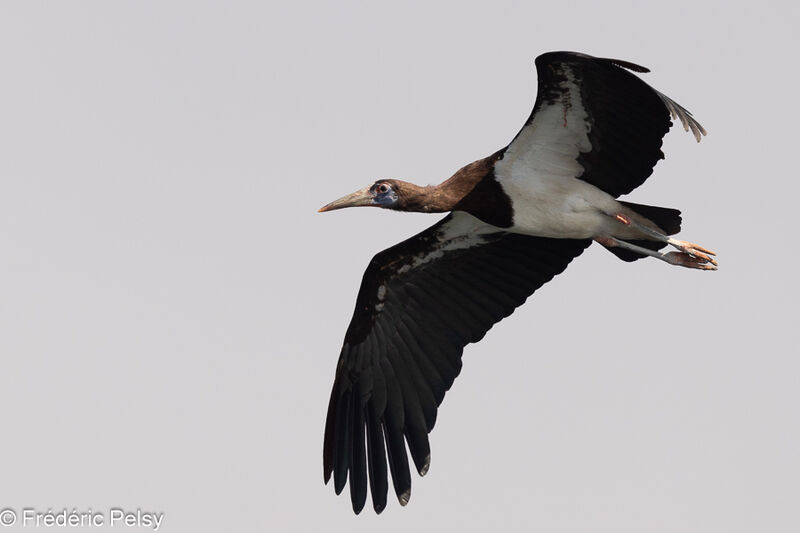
<point>665,218</point>
<point>669,220</point>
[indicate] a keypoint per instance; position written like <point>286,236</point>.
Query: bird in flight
<point>517,218</point>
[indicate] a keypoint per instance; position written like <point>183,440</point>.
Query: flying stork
<point>517,218</point>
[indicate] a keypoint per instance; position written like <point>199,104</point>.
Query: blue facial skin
<point>383,195</point>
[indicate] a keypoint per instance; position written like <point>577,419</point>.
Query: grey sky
<point>172,306</point>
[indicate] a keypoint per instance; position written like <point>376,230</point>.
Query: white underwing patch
<point>540,171</point>
<point>462,231</point>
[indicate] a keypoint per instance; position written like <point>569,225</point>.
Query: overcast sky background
<point>172,306</point>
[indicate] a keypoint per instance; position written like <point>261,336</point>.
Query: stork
<point>517,218</point>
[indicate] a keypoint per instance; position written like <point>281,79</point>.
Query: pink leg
<point>683,258</point>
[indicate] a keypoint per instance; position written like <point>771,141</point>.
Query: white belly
<point>559,206</point>
<point>539,172</point>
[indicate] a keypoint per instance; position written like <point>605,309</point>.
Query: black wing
<point>595,120</point>
<point>420,303</point>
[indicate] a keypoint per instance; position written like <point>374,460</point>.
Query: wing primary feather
<point>344,425</point>
<point>328,447</point>
<point>376,346</point>
<point>414,409</point>
<point>358,459</point>
<point>419,446</point>
<point>393,422</point>
<point>376,455</point>
<point>677,111</point>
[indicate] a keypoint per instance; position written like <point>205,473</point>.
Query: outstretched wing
<point>595,120</point>
<point>420,303</point>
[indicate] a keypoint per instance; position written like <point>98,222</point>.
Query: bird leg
<point>694,251</point>
<point>683,258</point>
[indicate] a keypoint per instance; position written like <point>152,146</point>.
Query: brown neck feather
<point>419,199</point>
<point>460,191</point>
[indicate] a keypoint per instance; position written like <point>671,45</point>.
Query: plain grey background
<point>172,306</point>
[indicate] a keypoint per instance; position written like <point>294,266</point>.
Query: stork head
<point>382,193</point>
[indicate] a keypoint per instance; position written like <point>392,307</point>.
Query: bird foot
<point>689,261</point>
<point>692,255</point>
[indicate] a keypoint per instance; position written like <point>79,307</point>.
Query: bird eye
<point>383,188</point>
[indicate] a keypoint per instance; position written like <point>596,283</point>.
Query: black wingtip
<point>425,465</point>
<point>338,486</point>
<point>378,507</point>
<point>403,497</point>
